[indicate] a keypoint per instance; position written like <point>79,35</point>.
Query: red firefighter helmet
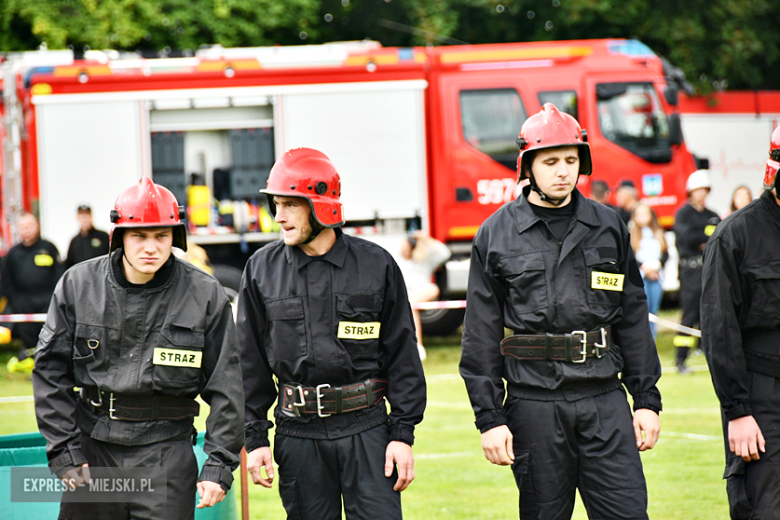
<point>309,174</point>
<point>551,128</point>
<point>147,205</point>
<point>773,163</point>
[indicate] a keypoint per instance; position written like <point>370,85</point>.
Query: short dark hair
<point>599,189</point>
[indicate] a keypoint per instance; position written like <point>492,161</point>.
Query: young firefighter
<point>558,270</point>
<point>327,316</point>
<point>740,311</point>
<point>141,334</point>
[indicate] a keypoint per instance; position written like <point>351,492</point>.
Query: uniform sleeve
<point>406,389</point>
<point>53,382</point>
<point>481,362</point>
<point>260,391</point>
<point>70,260</point>
<point>7,279</point>
<point>689,233</point>
<point>721,337</point>
<point>642,368</point>
<point>224,394</point>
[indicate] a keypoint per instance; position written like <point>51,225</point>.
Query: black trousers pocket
<point>288,490</point>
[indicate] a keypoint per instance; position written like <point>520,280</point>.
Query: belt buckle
<point>301,404</point>
<point>111,408</point>
<point>82,393</point>
<point>601,346</point>
<point>320,407</point>
<point>584,349</point>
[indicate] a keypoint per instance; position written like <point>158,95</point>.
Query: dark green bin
<point>29,449</point>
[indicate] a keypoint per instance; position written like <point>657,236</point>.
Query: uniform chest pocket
<point>91,353</point>
<point>287,329</point>
<point>527,282</point>
<point>603,282</point>
<point>358,324</point>
<point>764,283</point>
<point>178,359</point>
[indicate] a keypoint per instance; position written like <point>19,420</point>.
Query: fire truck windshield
<point>631,116</point>
<point>491,120</point>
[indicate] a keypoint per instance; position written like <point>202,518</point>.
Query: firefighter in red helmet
<point>740,318</point>
<point>558,270</point>
<point>141,334</point>
<point>325,327</point>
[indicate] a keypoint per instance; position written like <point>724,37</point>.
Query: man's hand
<point>745,438</point>
<point>400,454</point>
<point>258,458</point>
<point>497,445</point>
<point>76,477</point>
<point>210,493</point>
<point>646,421</point>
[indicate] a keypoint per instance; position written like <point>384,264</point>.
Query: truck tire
<point>441,322</point>
<point>230,278</point>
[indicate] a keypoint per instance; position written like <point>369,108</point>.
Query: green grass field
<point>455,481</point>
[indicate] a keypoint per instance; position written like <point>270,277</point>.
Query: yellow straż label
<point>177,358</point>
<point>358,330</point>
<point>709,230</point>
<point>43,260</point>
<point>607,281</point>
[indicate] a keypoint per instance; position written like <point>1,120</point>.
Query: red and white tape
<point>446,304</point>
<point>22,318</point>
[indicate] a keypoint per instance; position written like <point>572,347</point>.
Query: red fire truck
<point>424,138</point>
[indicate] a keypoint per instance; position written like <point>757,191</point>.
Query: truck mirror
<point>671,94</point>
<point>702,163</point>
<point>675,129</point>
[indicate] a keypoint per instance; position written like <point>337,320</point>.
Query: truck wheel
<point>441,322</point>
<point>230,278</point>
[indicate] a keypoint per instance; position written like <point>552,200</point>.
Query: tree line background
<point>719,44</point>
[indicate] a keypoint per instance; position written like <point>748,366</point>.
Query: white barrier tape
<point>22,318</point>
<point>445,304</point>
<point>674,326</point>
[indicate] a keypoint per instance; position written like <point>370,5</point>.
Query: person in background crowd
<point>649,245</point>
<point>89,243</point>
<point>599,191</point>
<point>741,197</point>
<point>693,225</point>
<point>421,256</point>
<point>627,199</point>
<point>30,274</point>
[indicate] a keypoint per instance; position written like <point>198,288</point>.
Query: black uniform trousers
<point>690,298</point>
<point>174,454</point>
<point>754,487</point>
<point>560,446</point>
<point>314,475</point>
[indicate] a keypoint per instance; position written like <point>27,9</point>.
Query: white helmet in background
<point>698,179</point>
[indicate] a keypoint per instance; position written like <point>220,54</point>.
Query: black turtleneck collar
<point>161,277</point>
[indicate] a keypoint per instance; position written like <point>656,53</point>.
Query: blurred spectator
<point>742,197</point>
<point>89,243</point>
<point>627,199</point>
<point>693,225</point>
<point>31,271</point>
<point>421,256</point>
<point>649,245</point>
<point>599,191</point>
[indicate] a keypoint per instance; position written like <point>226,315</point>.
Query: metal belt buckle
<point>111,408</point>
<point>601,346</point>
<point>301,404</point>
<point>320,407</point>
<point>584,349</point>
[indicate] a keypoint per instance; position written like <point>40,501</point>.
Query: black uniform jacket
<point>100,332</point>
<point>740,297</point>
<point>30,274</point>
<point>86,247</point>
<point>290,307</point>
<point>691,229</point>
<point>521,278</point>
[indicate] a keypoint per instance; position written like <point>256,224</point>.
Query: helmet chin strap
<point>542,195</point>
<point>316,229</point>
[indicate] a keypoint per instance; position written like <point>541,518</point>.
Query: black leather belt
<point>325,400</point>
<point>573,347</point>
<point>692,262</point>
<point>123,407</point>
